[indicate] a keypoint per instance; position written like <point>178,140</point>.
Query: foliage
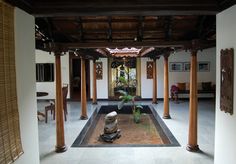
<point>126,98</point>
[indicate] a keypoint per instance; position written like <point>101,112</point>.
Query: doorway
<point>75,77</point>
<point>128,69</point>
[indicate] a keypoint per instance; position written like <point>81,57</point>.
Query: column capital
<point>194,46</point>
<point>59,50</point>
<point>166,55</point>
<point>95,58</point>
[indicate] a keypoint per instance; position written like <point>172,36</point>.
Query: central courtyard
<point>178,126</point>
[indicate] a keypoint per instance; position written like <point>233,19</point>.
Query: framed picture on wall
<point>149,69</point>
<point>99,71</point>
<point>176,66</point>
<point>203,66</point>
<point>186,66</point>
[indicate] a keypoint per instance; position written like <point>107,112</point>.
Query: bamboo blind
<point>10,143</point>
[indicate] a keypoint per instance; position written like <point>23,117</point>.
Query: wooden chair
<point>51,107</point>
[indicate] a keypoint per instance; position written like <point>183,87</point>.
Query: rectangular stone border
<point>164,132</point>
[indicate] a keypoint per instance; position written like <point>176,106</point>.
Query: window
<point>44,72</point>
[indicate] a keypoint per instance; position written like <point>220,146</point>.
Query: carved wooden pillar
<point>166,114</point>
<point>154,91</point>
<point>60,139</point>
<point>192,137</point>
<point>94,83</point>
<point>83,91</point>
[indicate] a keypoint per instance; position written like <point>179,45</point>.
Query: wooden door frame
<point>71,57</point>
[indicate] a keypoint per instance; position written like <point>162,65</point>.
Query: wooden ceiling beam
<point>42,12</point>
<point>125,44</point>
<point>116,32</point>
<point>114,20</point>
<point>124,8</point>
<point>51,8</point>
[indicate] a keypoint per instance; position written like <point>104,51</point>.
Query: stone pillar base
<point>192,148</point>
<point>60,149</point>
<point>83,117</point>
<point>166,117</point>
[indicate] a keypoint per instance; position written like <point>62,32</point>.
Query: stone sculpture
<point>111,131</point>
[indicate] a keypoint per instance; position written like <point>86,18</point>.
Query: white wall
<point>146,84</point>
<point>175,77</point>
<point>225,133</point>
<point>50,87</point>
<point>102,85</point>
<point>26,86</point>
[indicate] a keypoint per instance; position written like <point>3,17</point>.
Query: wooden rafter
<point>168,27</point>
<point>80,28</point>
<point>140,29</point>
<point>110,29</point>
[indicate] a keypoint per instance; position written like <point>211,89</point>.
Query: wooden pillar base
<point>166,117</point>
<point>60,149</point>
<point>94,103</point>
<point>83,117</point>
<point>192,148</point>
<point>154,102</point>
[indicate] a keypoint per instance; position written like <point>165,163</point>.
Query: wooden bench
<point>175,94</point>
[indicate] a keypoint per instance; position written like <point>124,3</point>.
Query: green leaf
<point>138,107</point>
<point>121,104</point>
<point>122,92</point>
<point>123,80</point>
<point>129,97</point>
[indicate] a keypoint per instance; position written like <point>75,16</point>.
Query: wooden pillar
<point>60,139</point>
<point>192,136</point>
<point>154,91</point>
<point>94,83</point>
<point>166,114</point>
<point>83,91</point>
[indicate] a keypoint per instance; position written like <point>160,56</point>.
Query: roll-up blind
<point>10,142</point>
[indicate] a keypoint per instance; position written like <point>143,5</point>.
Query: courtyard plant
<point>126,97</point>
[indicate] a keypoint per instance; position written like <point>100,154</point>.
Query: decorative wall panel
<point>227,80</point>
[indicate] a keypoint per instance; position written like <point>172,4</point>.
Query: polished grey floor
<point>126,155</point>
